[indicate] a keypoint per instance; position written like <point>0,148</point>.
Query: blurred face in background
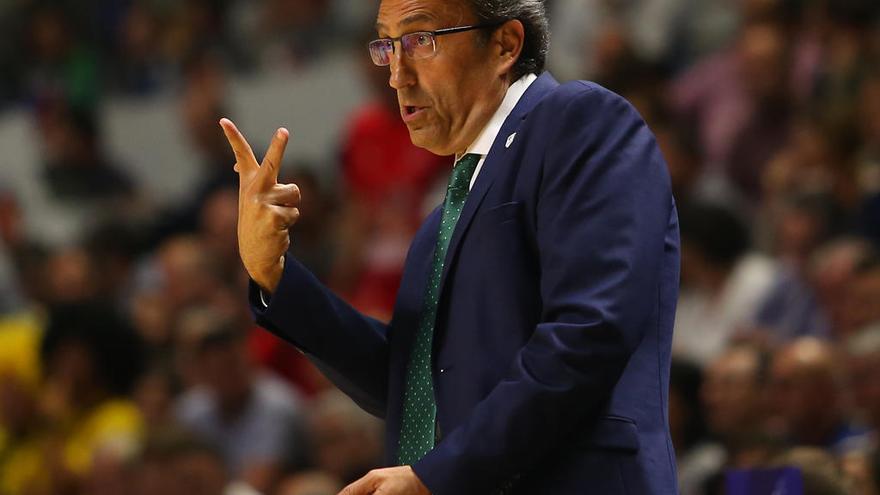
<point>861,305</point>
<point>198,473</point>
<point>832,273</point>
<point>17,403</point>
<point>764,61</point>
<point>864,374</point>
<point>804,391</point>
<point>869,109</point>
<point>732,393</point>
<point>71,276</point>
<point>447,99</point>
<point>225,369</point>
<point>71,379</point>
<point>219,220</point>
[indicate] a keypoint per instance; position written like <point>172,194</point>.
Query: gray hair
<point>533,15</point>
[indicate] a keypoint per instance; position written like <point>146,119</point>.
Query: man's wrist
<point>268,282</point>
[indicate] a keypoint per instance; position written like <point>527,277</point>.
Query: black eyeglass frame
<point>434,34</point>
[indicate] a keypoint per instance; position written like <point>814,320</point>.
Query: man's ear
<point>508,40</point>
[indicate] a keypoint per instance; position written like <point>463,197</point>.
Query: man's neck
<point>484,116</point>
<point>502,108</point>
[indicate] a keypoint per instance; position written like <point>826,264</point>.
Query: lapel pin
<point>510,140</point>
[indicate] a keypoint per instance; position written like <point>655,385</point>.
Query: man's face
<point>447,99</point>
<point>731,393</point>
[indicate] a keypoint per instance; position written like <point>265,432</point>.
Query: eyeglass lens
<point>416,46</point>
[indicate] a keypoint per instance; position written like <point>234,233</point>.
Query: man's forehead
<point>394,14</point>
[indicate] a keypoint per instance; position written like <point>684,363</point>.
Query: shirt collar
<point>484,142</point>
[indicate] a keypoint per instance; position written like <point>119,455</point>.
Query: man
<point>254,418</point>
<point>734,395</point>
<point>529,347</point>
<point>808,397</point>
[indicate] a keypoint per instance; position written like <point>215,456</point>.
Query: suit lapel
<point>494,163</point>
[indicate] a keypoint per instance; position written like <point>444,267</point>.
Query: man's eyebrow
<point>417,17</point>
<point>412,19</point>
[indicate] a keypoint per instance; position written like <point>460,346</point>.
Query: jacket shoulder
<point>583,96</point>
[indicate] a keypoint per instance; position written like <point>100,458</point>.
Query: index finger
<point>244,155</point>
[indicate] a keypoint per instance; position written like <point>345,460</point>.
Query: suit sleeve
<point>603,208</point>
<point>350,348</point>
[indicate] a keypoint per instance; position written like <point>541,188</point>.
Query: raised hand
<point>266,209</point>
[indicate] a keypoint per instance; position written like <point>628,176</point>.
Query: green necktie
<point>419,408</point>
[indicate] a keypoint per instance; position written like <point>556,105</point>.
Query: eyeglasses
<point>418,45</point>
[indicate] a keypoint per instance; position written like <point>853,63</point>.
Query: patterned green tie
<point>419,409</point>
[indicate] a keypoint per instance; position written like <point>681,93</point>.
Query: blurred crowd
<point>129,362</point>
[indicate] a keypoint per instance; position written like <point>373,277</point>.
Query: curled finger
<point>284,216</point>
<point>284,195</point>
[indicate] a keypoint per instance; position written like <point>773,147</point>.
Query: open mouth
<point>411,112</point>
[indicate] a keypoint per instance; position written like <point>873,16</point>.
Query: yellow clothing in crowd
<point>113,427</point>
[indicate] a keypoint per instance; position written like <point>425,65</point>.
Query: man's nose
<point>402,73</point>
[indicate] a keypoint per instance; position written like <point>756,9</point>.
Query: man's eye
<point>423,40</point>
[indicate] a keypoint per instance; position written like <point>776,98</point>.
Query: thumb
<point>363,486</point>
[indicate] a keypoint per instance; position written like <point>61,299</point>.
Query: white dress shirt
<point>484,141</point>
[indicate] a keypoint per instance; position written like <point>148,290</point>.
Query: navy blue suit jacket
<point>552,344</point>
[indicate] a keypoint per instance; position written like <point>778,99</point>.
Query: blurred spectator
<point>681,150</point>
<point>218,229</point>
<point>739,99</point>
<point>91,359</point>
<point>10,237</point>
<point>734,395</point>
<point>289,33</point>
<point>833,271</point>
<point>59,63</point>
<point>114,248</point>
<point>310,483</point>
<point>201,107</point>
<point>671,32</point>
<point>10,299</point>
<point>20,425</point>
<point>154,394</point>
<point>790,309</point>
<point>76,168</point>
<point>137,62</point>
<point>819,470</point>
<point>723,282</point>
<point>71,276</point>
<point>868,160</point>
<point>347,442</point>
<point>695,459</point>
<point>174,463</point>
<point>182,274</point>
<point>847,58</point>
<point>254,418</point>
<point>861,308</point>
<point>863,362</point>
<point>858,474</point>
<point>875,465</point>
<point>313,243</point>
<point>807,397</point>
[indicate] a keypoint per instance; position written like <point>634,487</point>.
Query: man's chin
<point>423,138</point>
